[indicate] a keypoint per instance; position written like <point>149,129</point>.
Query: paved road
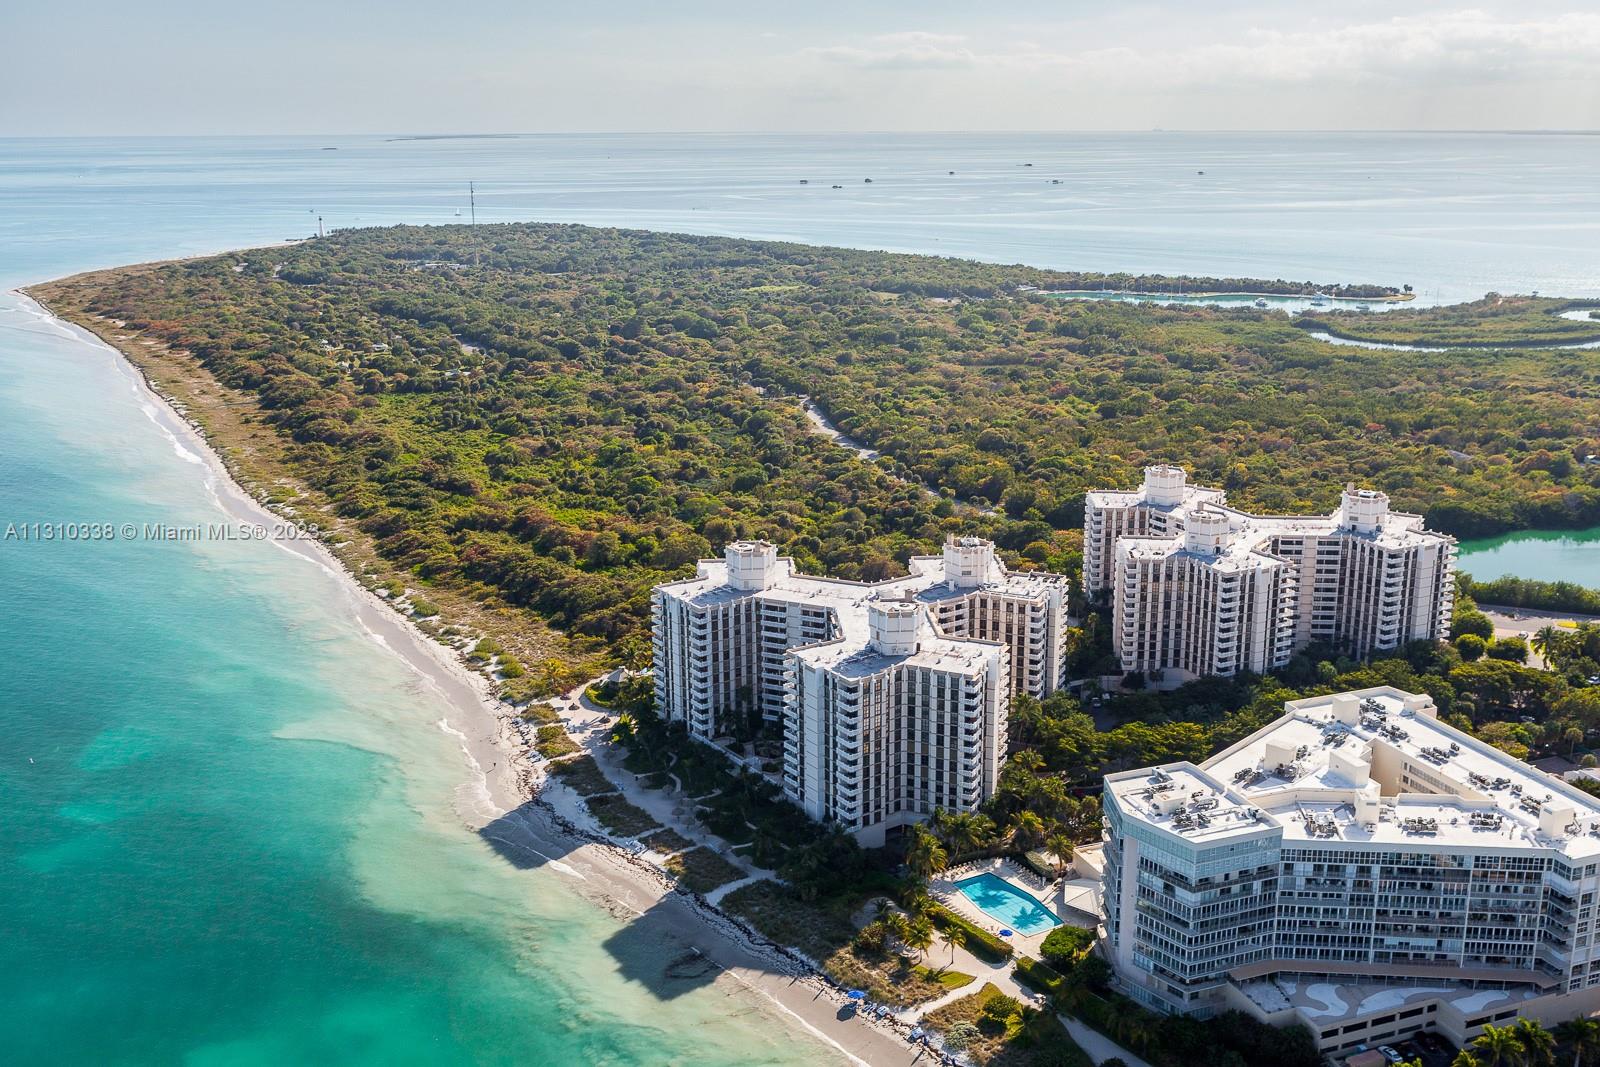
<point>1512,622</point>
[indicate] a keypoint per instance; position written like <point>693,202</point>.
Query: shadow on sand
<point>671,946</point>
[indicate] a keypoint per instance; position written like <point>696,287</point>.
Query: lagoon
<point>1543,555</point>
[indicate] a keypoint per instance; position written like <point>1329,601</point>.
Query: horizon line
<point>443,135</point>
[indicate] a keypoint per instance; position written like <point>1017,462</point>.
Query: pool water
<point>1006,904</point>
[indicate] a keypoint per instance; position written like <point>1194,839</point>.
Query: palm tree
<point>1498,1046</point>
<point>956,938</point>
<point>925,855</point>
<point>967,832</point>
<point>919,935</point>
<point>1573,736</point>
<point>897,926</point>
<point>1465,1058</point>
<point>1546,640</point>
<point>1027,829</point>
<point>1538,1046</point>
<point>1582,1036</point>
<point>1061,845</point>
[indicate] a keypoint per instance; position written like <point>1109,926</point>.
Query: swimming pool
<point>1006,904</point>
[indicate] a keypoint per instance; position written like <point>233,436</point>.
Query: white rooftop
<point>1321,999</point>
<point>1330,770</point>
<point>927,584</point>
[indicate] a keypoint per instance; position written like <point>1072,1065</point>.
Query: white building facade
<point>1357,867</point>
<point>1199,588</point>
<point>892,695</point>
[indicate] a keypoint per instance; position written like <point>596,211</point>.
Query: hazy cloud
<point>912,50</point>
<point>1469,45</point>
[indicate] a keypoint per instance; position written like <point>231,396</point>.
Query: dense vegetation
<point>1533,593</point>
<point>1172,283</point>
<point>1494,320</point>
<point>554,418</point>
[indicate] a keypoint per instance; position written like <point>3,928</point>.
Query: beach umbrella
<point>857,994</point>
<point>1005,933</point>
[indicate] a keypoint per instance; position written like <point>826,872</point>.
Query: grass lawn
<point>583,776</point>
<point>700,870</point>
<point>621,817</point>
<point>996,1031</point>
<point>948,979</point>
<point>668,840</point>
<point>553,741</point>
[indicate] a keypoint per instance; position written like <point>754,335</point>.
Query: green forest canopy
<point>558,417</point>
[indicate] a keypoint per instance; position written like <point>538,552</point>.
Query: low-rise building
<point>1359,867</point>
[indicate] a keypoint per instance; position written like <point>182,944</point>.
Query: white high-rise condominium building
<point>1199,588</point>
<point>1359,867</point>
<point>883,720</point>
<point>882,728</point>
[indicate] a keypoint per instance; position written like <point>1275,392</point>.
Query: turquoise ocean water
<point>228,829</point>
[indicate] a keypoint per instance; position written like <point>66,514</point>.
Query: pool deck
<point>1075,901</point>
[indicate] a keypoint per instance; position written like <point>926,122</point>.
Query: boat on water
<point>1319,301</point>
<point>1363,306</point>
<point>1260,303</point>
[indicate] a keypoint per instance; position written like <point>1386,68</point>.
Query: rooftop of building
<point>1192,494</point>
<point>1330,770</point>
<point>1320,999</point>
<point>1247,543</point>
<point>926,581</point>
<point>853,655</point>
<point>932,580</point>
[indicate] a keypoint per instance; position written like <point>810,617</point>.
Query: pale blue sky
<point>295,66</point>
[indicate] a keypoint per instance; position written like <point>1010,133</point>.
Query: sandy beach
<point>499,794</point>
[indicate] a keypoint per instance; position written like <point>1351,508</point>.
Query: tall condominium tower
<point>1198,588</point>
<point>890,722</point>
<point>722,648</point>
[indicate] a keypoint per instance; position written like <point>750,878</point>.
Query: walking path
<point>1099,1047</point>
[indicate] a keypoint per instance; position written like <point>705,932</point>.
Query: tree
<point>1538,1045</point>
<point>1546,640</point>
<point>605,550</point>
<point>1027,829</point>
<point>1469,620</point>
<point>925,856</point>
<point>1582,1037</point>
<point>1498,1046</point>
<point>1061,846</point>
<point>956,937</point>
<point>919,935</point>
<point>1471,647</point>
<point>1510,649</point>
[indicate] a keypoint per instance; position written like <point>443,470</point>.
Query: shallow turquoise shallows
<point>228,817</point>
<point>1008,905</point>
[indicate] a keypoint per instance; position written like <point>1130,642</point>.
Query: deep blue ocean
<point>228,826</point>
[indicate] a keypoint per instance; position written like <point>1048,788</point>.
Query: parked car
<point>1390,1054</point>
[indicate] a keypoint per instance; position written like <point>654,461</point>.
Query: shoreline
<point>1330,334</point>
<point>603,871</point>
<point>1110,294</point>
